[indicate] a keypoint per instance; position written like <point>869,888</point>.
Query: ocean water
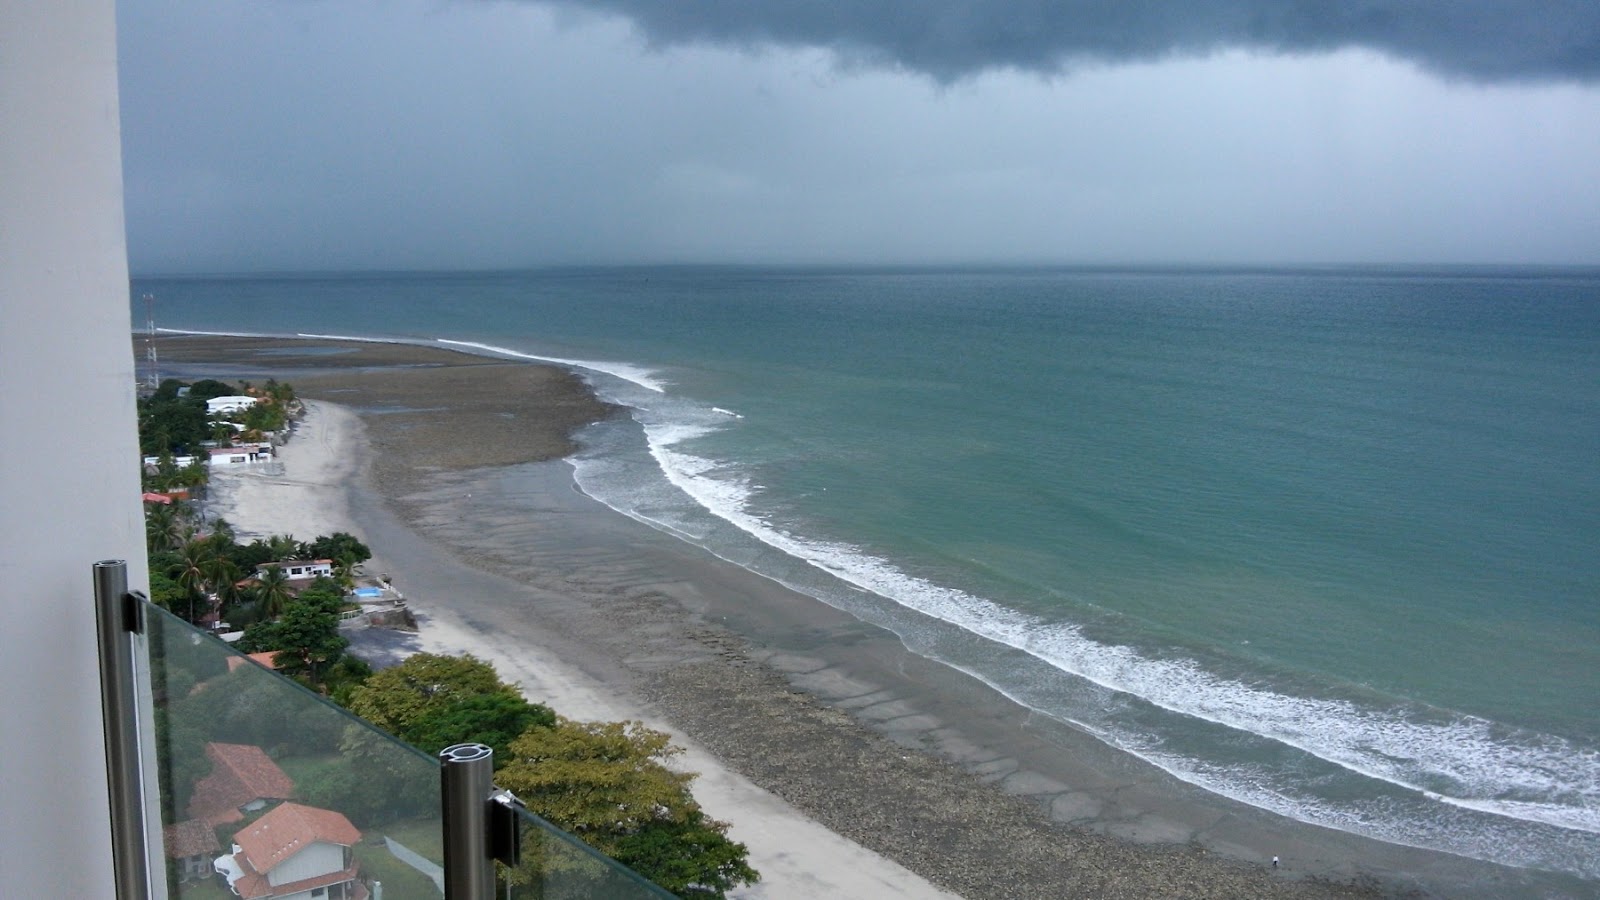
<point>1323,541</point>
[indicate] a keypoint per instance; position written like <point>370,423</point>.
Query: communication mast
<point>152,368</point>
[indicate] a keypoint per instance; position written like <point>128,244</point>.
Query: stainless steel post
<point>116,621</point>
<point>466,779</point>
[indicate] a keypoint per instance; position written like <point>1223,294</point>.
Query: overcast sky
<point>280,135</point>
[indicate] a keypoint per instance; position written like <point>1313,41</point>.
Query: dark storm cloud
<point>1484,40</point>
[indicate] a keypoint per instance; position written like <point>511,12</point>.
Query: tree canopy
<point>336,546</point>
<point>606,783</point>
<point>433,701</point>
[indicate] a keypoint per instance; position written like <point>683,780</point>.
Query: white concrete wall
<point>66,372</point>
<point>318,859</point>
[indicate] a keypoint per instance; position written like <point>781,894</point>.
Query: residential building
<point>295,852</point>
<point>227,406</point>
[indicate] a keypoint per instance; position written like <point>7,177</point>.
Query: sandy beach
<point>850,766</point>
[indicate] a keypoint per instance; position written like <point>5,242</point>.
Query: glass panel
<point>557,866</point>
<point>265,784</point>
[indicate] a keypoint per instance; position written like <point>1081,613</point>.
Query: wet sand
<point>463,484</point>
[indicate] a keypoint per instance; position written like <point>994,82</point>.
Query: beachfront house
<point>300,569</point>
<point>243,780</point>
<point>294,852</point>
<point>227,406</point>
<point>244,454</point>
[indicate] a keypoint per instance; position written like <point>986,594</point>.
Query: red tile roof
<point>240,774</point>
<point>287,830</point>
<point>191,837</point>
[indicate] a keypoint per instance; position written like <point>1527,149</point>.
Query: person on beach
<point>1274,862</point>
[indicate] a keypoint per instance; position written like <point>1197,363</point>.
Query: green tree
<point>223,534</point>
<point>691,858</point>
<point>606,783</point>
<point>434,701</point>
<point>494,719</point>
<point>306,637</point>
<point>250,555</point>
<point>283,547</point>
<point>166,526</point>
<point>221,574</point>
<point>171,425</point>
<point>272,591</point>
<point>398,697</point>
<point>168,594</point>
<point>207,388</point>
<point>337,546</point>
<point>346,570</point>
<point>192,560</point>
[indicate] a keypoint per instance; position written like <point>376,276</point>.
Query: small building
<point>300,569</point>
<point>243,779</point>
<point>294,852</point>
<point>243,454</point>
<point>191,845</point>
<point>227,406</point>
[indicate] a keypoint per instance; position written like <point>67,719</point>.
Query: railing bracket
<point>133,611</point>
<point>505,843</point>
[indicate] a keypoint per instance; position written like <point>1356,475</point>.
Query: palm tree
<point>272,586</point>
<point>194,558</point>
<point>283,546</point>
<point>345,570</point>
<point>223,576</point>
<point>161,524</point>
<point>222,530</point>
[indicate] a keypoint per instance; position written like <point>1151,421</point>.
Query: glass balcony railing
<point>266,789</point>
<point>554,865</point>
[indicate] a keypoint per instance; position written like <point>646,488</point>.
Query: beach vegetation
<point>167,526</point>
<point>168,594</point>
<point>432,701</point>
<point>272,592</point>
<point>337,547</point>
<point>607,783</point>
<point>306,636</point>
<point>208,388</point>
<point>177,425</point>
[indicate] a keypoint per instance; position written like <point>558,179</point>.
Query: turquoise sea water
<point>1322,541</point>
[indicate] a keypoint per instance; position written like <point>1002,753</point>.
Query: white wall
<point>68,457</point>
<point>318,859</point>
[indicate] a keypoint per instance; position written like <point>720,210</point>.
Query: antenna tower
<point>152,370</point>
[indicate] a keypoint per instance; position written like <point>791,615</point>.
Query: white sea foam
<point>214,333</point>
<point>639,375</point>
<point>354,339</point>
<point>1457,759</point>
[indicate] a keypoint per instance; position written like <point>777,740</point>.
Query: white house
<point>244,454</point>
<point>297,569</point>
<point>227,406</point>
<point>294,852</point>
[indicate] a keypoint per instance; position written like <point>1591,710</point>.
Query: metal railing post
<point>466,780</point>
<point>116,621</point>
